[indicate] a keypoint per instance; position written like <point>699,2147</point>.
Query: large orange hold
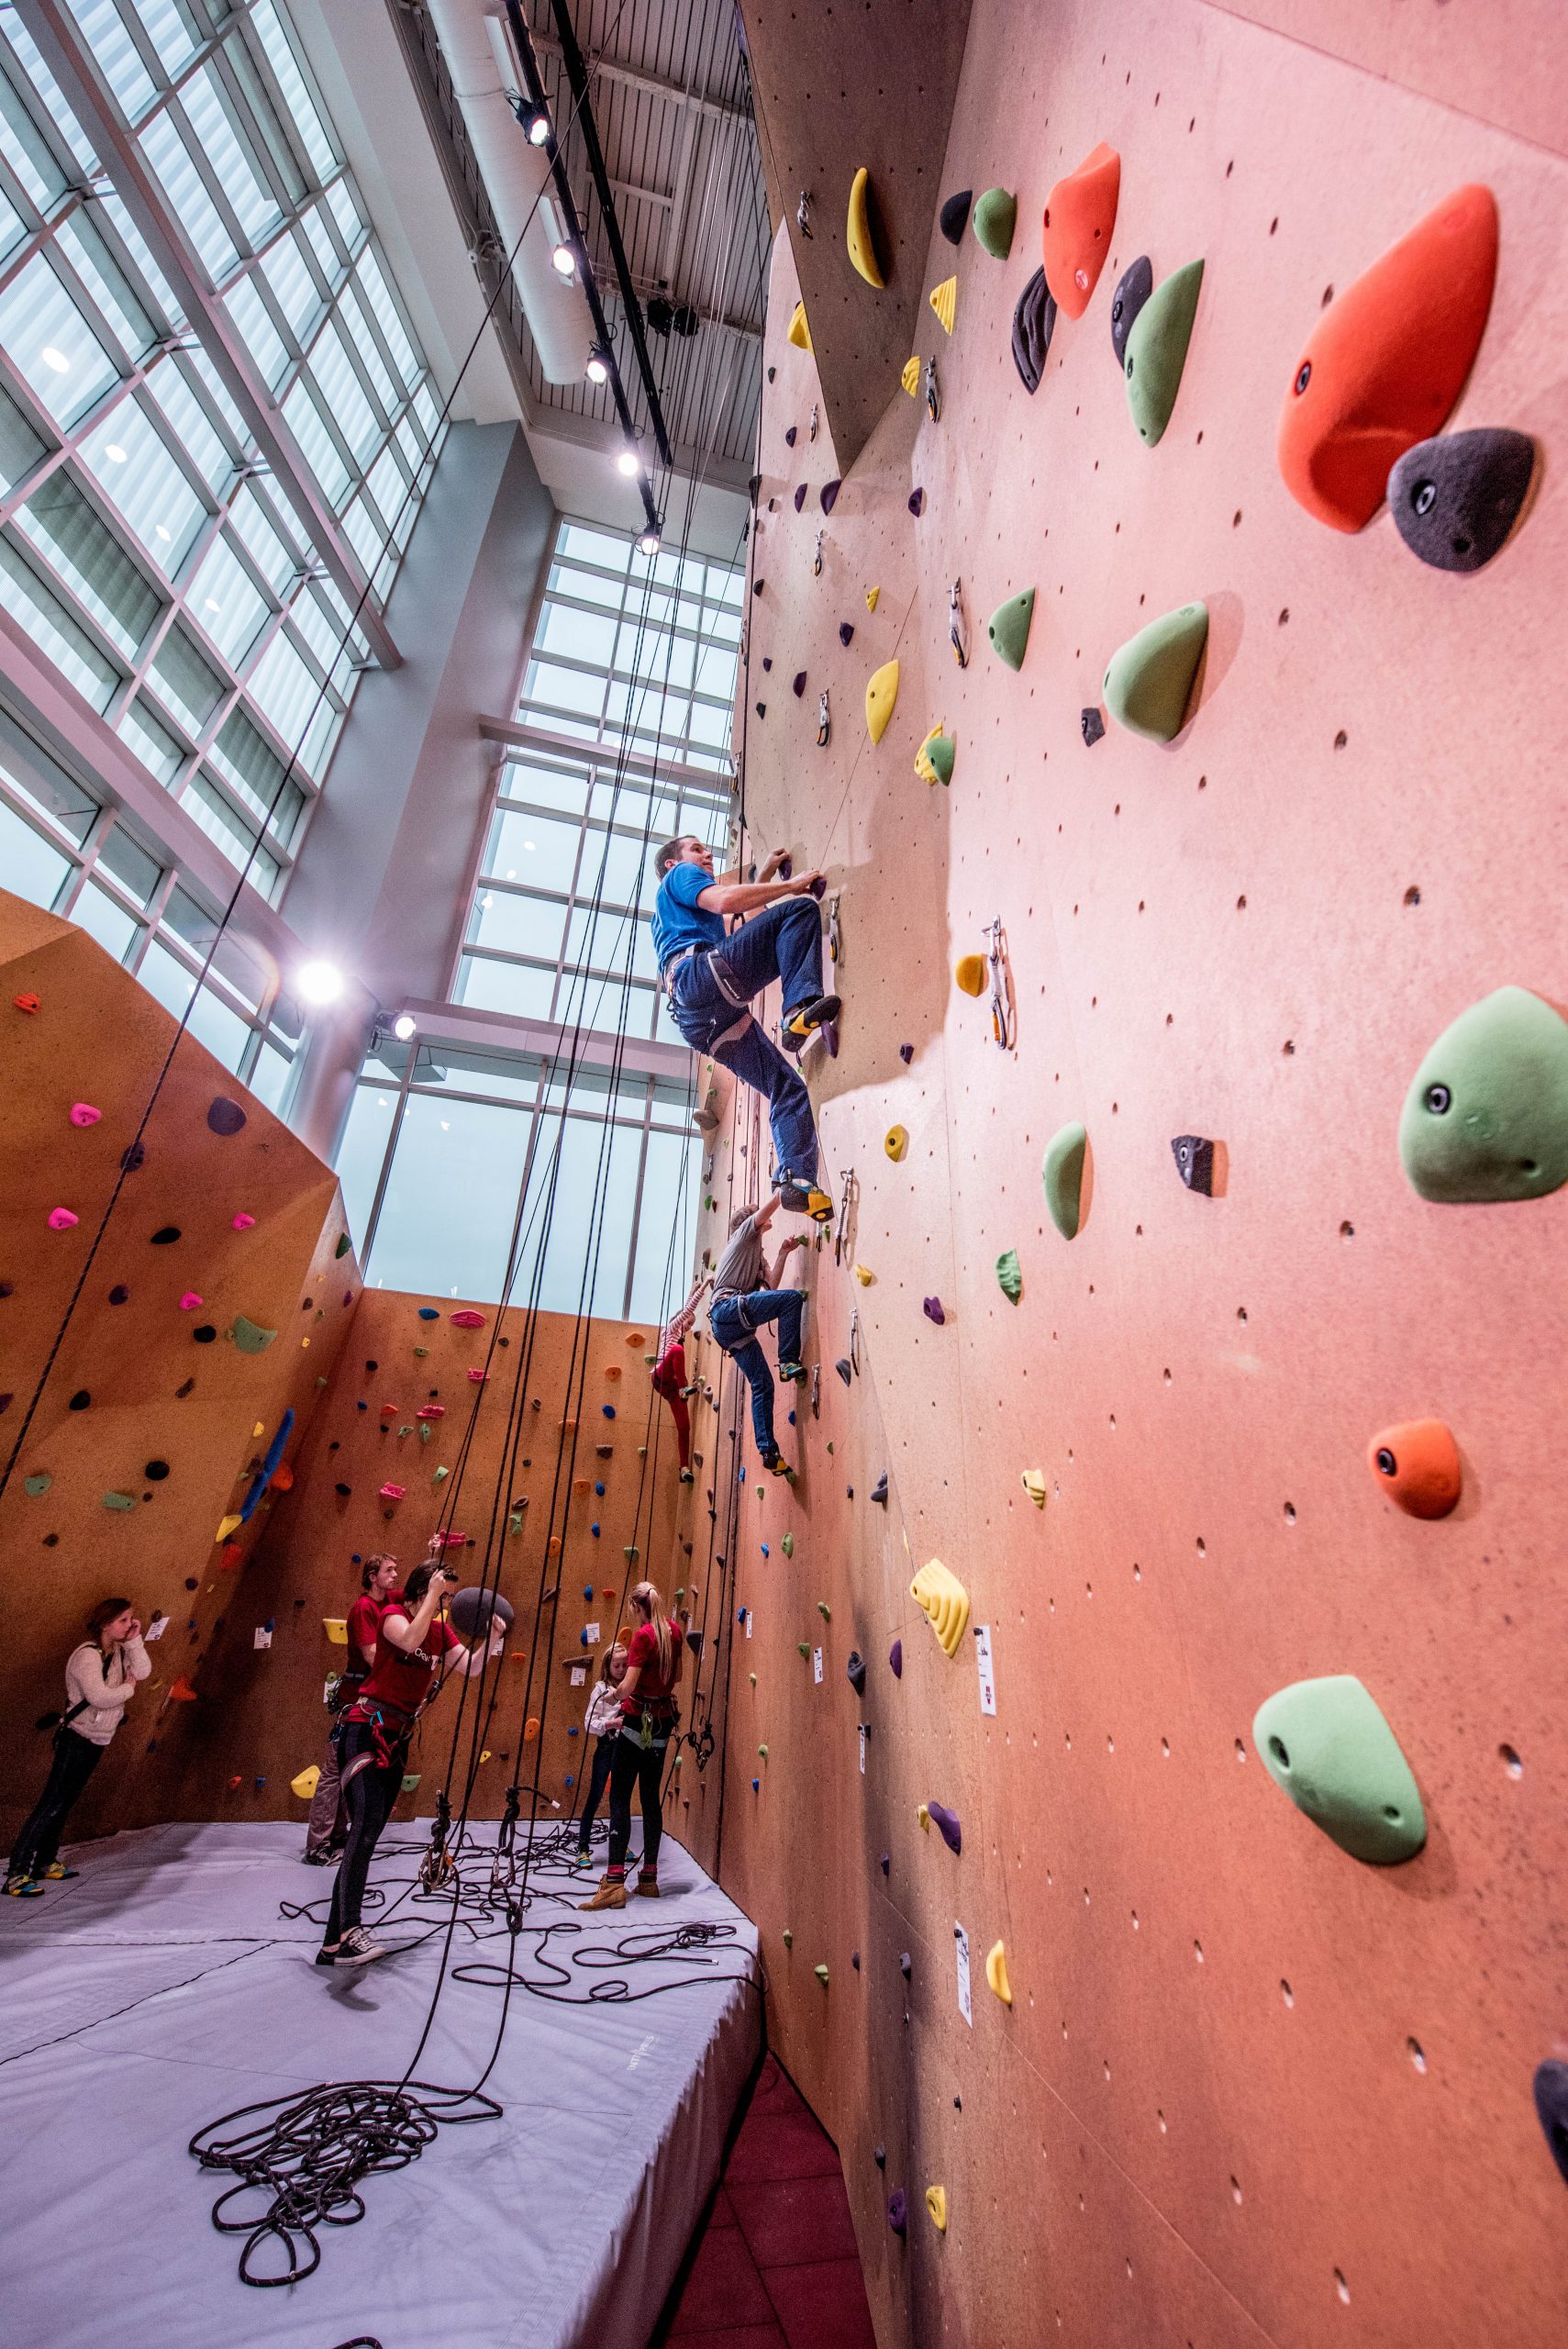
<point>1080,213</point>
<point>1418,1466</point>
<point>1387,361</point>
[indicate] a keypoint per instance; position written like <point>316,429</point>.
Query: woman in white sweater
<point>601,1726</point>
<point>100,1681</point>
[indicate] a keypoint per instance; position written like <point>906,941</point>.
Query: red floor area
<point>775,2265</point>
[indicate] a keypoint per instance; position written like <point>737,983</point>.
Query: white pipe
<point>515,174</point>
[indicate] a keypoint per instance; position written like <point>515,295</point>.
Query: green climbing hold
<point>764,1752</point>
<point>803,1647</point>
<point>821,1973</point>
<point>1157,350</point>
<point>1486,1118</point>
<point>788,1938</point>
<point>824,1611</point>
<point>1327,1745</point>
<point>36,1486</point>
<point>787,1545</point>
<point>421,1351</point>
<point>993,219</point>
<point>1062,1175</point>
<point>344,1244</point>
<point>410,1780</point>
<point>1009,1273</point>
<point>250,1337</point>
<point>1149,680</point>
<point>1009,628</point>
<point>440,1476</point>
<point>120,1500</point>
<point>631,1552</point>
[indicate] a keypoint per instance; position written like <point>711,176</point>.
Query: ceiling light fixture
<point>403,1026</point>
<point>320,983</point>
<point>565,261</point>
<point>648,542</point>
<point>599,367</point>
<point>629,463</point>
<point>536,124</point>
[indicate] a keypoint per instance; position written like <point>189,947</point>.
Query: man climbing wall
<point>709,979</point>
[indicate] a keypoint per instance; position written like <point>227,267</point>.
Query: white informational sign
<point>156,1630</point>
<point>749,1621</point>
<point>592,1635</point>
<point>863,1749</point>
<point>983,1658</point>
<point>263,1638</point>
<point>579,1674</point>
<point>816,1665</point>
<point>961,1940</point>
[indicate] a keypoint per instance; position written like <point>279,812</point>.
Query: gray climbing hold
<point>842,1367</point>
<point>1133,288</point>
<point>856,1670</point>
<point>994,219</point>
<point>879,1490</point>
<point>1151,677</point>
<point>1063,1175</point>
<point>1454,500</point>
<point>1194,1163</point>
<point>1092,726</point>
<point>1034,322</point>
<point>1157,350</point>
<point>954,215</point>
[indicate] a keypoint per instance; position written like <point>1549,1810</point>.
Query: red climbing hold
<point>27,1002</point>
<point>182,1693</point>
<point>467,1320</point>
<point>1075,237</point>
<point>390,1492</point>
<point>1386,361</point>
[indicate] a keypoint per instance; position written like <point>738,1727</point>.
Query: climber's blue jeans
<point>734,1321</point>
<point>708,994</point>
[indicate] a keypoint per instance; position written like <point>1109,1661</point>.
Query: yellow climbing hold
<point>858,230</point>
<point>260,1428</point>
<point>996,1972</point>
<point>1033,1483</point>
<point>937,2204</point>
<point>872,594</point>
<point>969,972</point>
<point>924,1816</point>
<point>799,332</point>
<point>896,1142</point>
<point>230,1524</point>
<point>934,758</point>
<point>305,1786</point>
<point>944,1600</point>
<point>864,1274</point>
<point>910,377</point>
<point>944,301</point>
<point>337,1629</point>
<point>881,695</point>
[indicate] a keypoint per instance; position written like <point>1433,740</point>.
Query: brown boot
<point>647,1885</point>
<point>609,1896</point>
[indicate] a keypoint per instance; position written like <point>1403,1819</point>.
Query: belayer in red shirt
<point>649,1716</point>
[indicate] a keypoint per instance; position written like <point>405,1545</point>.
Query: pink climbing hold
<point>62,1218</point>
<point>244,1222</point>
<point>467,1318</point>
<point>391,1493</point>
<point>84,1114</point>
<point>478,1376</point>
<point>190,1301</point>
<point>432,1411</point>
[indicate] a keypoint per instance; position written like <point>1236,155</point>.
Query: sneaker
<point>58,1873</point>
<point>779,1467</point>
<point>647,1887</point>
<point>805,1021</point>
<point>322,1859</point>
<point>790,1371</point>
<point>356,1948</point>
<point>328,1954</point>
<point>687,1478</point>
<point>609,1896</point>
<point>25,1888</point>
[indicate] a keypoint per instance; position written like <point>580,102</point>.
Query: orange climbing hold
<point>1076,239</point>
<point>182,1693</point>
<point>530,1728</point>
<point>1418,1466</point>
<point>1387,361</point>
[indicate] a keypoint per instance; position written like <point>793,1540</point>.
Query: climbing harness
<point>855,1342</point>
<point>816,558</point>
<point>824,721</point>
<point>1003,1023</point>
<point>803,215</point>
<point>957,632</point>
<point>933,397</point>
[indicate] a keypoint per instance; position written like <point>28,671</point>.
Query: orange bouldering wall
<point>1249,2088</point>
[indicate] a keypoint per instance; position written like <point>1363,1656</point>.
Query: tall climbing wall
<point>154,1438</point>
<point>407,1443</point>
<point>1278,1993</point>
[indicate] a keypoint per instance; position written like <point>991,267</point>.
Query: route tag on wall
<point>263,1638</point>
<point>863,1749</point>
<point>579,1674</point>
<point>960,1941</point>
<point>592,1635</point>
<point>749,1623</point>
<point>816,1665</point>
<point>155,1631</point>
<point>983,1658</point>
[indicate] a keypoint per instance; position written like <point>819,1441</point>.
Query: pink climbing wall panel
<point>1248,2089</point>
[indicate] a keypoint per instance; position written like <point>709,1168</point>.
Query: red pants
<point>668,1377</point>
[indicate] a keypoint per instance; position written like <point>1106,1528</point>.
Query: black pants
<point>75,1759</point>
<point>598,1778</point>
<point>368,1798</point>
<point>642,1766</point>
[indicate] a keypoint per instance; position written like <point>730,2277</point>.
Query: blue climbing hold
<point>430,1313</point>
<point>608,1409</point>
<point>600,1490</point>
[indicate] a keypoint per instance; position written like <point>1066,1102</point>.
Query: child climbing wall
<point>210,1316</point>
<point>1215,1372</point>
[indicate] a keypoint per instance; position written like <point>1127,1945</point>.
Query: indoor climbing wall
<point>150,1441</point>
<point>1208,1328</point>
<point>440,1420</point>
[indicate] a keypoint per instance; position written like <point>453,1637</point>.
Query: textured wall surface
<point>1248,2089</point>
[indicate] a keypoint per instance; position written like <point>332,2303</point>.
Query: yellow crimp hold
<point>910,377</point>
<point>227,1526</point>
<point>864,1274</point>
<point>1033,1482</point>
<point>969,972</point>
<point>857,231</point>
<point>924,1816</point>
<point>996,1972</point>
<point>944,301</point>
<point>881,695</point>
<point>937,2204</point>
<point>337,1629</point>
<point>799,332</point>
<point>944,1600</point>
<point>872,594</point>
<point>927,766</point>
<point>305,1786</point>
<point>896,1142</point>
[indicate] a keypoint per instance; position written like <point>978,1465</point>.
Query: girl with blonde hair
<point>649,1714</point>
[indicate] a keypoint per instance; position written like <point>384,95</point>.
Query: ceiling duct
<point>476,45</point>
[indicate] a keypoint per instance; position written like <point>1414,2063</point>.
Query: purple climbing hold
<point>120,1294</point>
<point>756,586</point>
<point>896,1658</point>
<point>855,1959</point>
<point>819,887</point>
<point>917,503</point>
<point>906,1967</point>
<point>952,1833</point>
<point>80,1400</point>
<point>828,494</point>
<point>884,1862</point>
<point>132,1157</point>
<point>905,1053</point>
<point>899,2211</point>
<point>800,496</point>
<point>767,660</point>
<point>798,687</point>
<point>932,1308</point>
<point>846,631</point>
<point>790,436</point>
<point>225,1117</point>
<point>1092,725</point>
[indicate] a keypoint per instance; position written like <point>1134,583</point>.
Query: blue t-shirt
<point>678,920</point>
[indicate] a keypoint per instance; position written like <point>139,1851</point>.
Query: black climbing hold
<point>767,660</point>
<point>344,1244</point>
<point>799,685</point>
<point>1133,288</point>
<point>372,1366</point>
<point>799,495</point>
<point>1551,2111</point>
<point>772,373</point>
<point>155,1471</point>
<point>879,1490</point>
<point>1034,322</point>
<point>120,1294</point>
<point>842,1367</point>
<point>856,1669</point>
<point>1455,499</point>
<point>917,503</point>
<point>905,1053</point>
<point>224,1115</point>
<point>1093,726</point>
<point>344,1490</point>
<point>205,1335</point>
<point>1194,1163</point>
<point>846,631</point>
<point>756,586</point>
<point>180,1392</point>
<point>954,215</point>
<point>885,1861</point>
<point>191,1583</point>
<point>132,1157</point>
<point>166,1235</point>
<point>855,1959</point>
<point>80,1400</point>
<point>827,495</point>
<point>789,436</point>
<point>849,1492</point>
<point>51,1542</point>
<point>761,709</point>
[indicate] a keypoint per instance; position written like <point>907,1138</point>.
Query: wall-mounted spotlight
<point>648,542</point>
<point>565,261</point>
<point>404,1027</point>
<point>599,367</point>
<point>320,983</point>
<point>629,463</point>
<point>536,125</point>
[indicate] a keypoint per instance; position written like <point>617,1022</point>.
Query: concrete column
<point>325,1069</point>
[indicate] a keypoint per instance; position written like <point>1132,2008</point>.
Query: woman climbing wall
<point>649,1714</point>
<point>100,1681</point>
